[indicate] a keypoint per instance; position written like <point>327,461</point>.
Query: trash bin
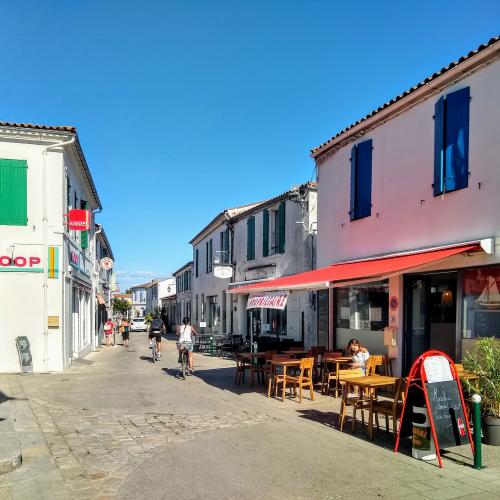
<point>422,447</point>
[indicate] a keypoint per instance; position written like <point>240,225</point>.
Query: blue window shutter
<point>226,246</point>
<point>252,248</point>
<point>352,211</point>
<point>282,220</point>
<point>439,146</point>
<point>265,233</point>
<point>457,140</point>
<point>364,180</point>
<point>249,238</point>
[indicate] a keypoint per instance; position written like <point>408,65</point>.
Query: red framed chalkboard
<point>435,374</point>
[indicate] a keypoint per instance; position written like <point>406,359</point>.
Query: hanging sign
<point>434,374</point>
<point>223,271</point>
<point>106,263</point>
<point>79,220</point>
<point>267,300</point>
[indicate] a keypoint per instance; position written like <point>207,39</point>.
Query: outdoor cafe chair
<point>328,372</point>
<point>241,367</point>
<point>373,362</point>
<point>390,408</point>
<point>272,374</point>
<point>349,400</point>
<point>303,380</point>
<point>316,352</point>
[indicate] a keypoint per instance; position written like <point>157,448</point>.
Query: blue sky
<point>185,108</point>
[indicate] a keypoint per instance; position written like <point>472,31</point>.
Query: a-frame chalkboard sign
<point>435,374</point>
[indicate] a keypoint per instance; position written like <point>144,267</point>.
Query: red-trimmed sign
<point>79,220</point>
<point>267,300</point>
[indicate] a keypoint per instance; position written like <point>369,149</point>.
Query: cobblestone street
<point>116,425</point>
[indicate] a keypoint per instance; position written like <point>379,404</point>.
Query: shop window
<point>451,142</point>
<point>481,303</point>
<point>362,307</point>
<point>275,321</point>
<point>213,311</point>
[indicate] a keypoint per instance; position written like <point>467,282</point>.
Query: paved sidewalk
<point>116,425</point>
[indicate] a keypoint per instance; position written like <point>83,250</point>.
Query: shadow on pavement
<point>173,372</point>
<point>4,398</point>
<point>146,358</point>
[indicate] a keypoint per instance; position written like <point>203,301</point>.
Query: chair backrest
<point>280,357</point>
<point>306,364</point>
<point>372,363</point>
<point>399,394</point>
<point>332,355</point>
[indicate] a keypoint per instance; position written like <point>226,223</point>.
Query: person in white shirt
<point>359,355</point>
<point>185,333</point>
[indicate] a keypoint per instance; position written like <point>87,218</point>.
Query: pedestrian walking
<point>125,332</point>
<point>109,326</point>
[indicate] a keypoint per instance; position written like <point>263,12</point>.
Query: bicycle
<point>154,349</point>
<point>183,359</point>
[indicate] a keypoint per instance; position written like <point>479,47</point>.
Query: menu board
<point>447,413</point>
<point>486,323</point>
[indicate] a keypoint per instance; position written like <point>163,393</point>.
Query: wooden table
<point>465,374</point>
<point>370,382</point>
<point>284,364</point>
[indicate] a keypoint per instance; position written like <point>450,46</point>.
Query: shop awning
<point>375,269</point>
<point>267,300</point>
<point>100,299</point>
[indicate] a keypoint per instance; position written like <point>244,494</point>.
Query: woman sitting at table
<point>359,355</point>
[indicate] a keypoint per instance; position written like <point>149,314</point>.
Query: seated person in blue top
<point>359,355</point>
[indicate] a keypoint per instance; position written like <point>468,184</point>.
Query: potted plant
<point>484,362</point>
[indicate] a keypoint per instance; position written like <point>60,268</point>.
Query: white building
<point>103,282</point>
<point>260,241</point>
<point>139,300</point>
<point>156,290</point>
<point>273,239</point>
<point>46,271</point>
<point>408,227</point>
<point>183,279</point>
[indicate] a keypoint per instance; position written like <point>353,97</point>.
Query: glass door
<point>430,315</point>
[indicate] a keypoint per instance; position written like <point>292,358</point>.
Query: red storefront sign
<point>79,220</point>
<point>20,261</point>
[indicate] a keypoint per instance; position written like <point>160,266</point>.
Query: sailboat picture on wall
<point>490,296</point>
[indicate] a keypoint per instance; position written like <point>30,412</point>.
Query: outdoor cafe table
<point>284,364</point>
<point>370,382</point>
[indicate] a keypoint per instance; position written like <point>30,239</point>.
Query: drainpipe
<point>45,249</point>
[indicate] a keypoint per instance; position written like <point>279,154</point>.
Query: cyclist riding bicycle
<point>155,331</point>
<point>185,333</point>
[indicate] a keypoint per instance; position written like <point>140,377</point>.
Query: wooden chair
<point>316,352</point>
<point>241,367</point>
<point>390,408</point>
<point>273,375</point>
<point>346,399</point>
<point>327,372</point>
<point>373,362</point>
<point>304,379</point>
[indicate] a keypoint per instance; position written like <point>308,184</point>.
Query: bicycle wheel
<point>184,364</point>
<point>153,349</point>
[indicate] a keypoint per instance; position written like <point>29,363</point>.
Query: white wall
<point>405,214</point>
<point>21,293</point>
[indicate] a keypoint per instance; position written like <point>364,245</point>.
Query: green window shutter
<point>265,233</point>
<point>281,216</point>
<point>84,235</point>
<point>13,193</point>
<point>226,246</point>
<point>251,238</point>
<point>206,256</point>
<point>196,260</point>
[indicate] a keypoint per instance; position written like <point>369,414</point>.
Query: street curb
<point>10,449</point>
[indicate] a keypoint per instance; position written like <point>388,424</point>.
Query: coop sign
<point>79,220</point>
<point>267,300</point>
<point>20,263</point>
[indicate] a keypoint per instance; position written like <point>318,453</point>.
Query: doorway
<point>430,315</point>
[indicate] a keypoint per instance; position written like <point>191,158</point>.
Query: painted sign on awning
<point>267,300</point>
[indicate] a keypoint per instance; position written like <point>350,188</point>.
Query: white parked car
<point>139,325</point>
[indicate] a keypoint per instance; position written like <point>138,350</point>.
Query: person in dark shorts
<point>155,331</point>
<point>125,332</point>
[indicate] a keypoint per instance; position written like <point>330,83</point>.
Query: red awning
<point>350,271</point>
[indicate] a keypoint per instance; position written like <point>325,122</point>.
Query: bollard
<point>211,346</point>
<point>476,416</point>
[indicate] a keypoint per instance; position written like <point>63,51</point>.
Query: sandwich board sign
<point>435,375</point>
